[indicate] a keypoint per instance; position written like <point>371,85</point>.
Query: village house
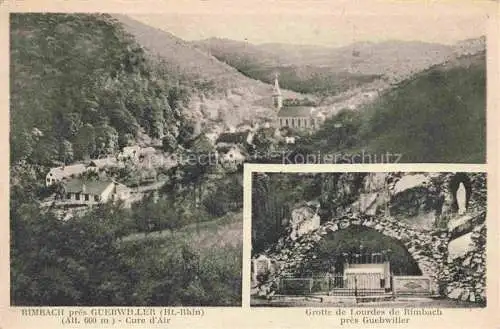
<point>87,192</point>
<point>149,157</point>
<point>101,164</point>
<point>212,137</point>
<point>58,174</point>
<point>237,138</point>
<point>232,147</point>
<point>147,153</point>
<point>121,192</point>
<point>244,127</point>
<point>130,152</point>
<point>231,155</point>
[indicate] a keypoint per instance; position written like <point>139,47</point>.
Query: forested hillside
<point>87,261</point>
<point>223,95</point>
<point>81,87</point>
<point>261,62</point>
<point>438,115</point>
<point>327,70</point>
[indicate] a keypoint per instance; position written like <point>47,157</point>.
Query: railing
<point>356,285</point>
<point>303,286</point>
<point>364,284</point>
<point>367,258</point>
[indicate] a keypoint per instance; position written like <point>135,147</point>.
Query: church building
<point>295,116</point>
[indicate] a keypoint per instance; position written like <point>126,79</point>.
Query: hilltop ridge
<point>222,93</point>
<point>309,68</point>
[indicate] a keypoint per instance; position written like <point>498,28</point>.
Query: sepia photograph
<point>363,239</point>
<point>113,200</point>
<point>129,133</point>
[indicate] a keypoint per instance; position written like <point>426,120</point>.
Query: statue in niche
<point>461,197</point>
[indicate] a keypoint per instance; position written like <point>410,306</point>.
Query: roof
<point>92,187</point>
<point>99,163</point>
<point>66,171</point>
<point>131,149</point>
<point>147,150</point>
<point>261,256</point>
<point>229,148</point>
<point>295,111</point>
<point>224,148</point>
<point>233,138</point>
<point>121,188</point>
<point>200,142</point>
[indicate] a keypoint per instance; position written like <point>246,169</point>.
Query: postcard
<point>269,164</point>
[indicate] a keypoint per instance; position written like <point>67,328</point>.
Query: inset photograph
<point>385,239</point>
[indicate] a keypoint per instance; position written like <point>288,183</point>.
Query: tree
<point>227,196</point>
<point>143,216</point>
<point>169,143</point>
<point>342,130</point>
<point>268,211</point>
<point>66,154</point>
<point>154,119</point>
<point>123,120</point>
<point>106,139</point>
<point>21,144</point>
<point>76,262</point>
<point>263,141</point>
<point>177,96</point>
<point>85,142</point>
<point>186,131</point>
<point>125,140</point>
<point>67,124</point>
<point>45,151</point>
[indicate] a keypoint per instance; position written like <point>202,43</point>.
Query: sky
<point>326,23</point>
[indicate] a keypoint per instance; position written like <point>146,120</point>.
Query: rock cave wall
<point>378,202</point>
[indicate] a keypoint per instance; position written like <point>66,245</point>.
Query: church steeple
<point>276,89</point>
<point>277,99</point>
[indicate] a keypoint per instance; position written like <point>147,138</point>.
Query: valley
<point>127,145</point>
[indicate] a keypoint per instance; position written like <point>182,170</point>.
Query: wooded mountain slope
<point>313,69</point>
<point>81,87</point>
<point>438,115</point>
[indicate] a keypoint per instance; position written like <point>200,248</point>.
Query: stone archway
<point>359,244</point>
<point>428,248</point>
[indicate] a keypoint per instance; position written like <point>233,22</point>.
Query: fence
<point>365,284</point>
<point>412,285</point>
<point>357,285</point>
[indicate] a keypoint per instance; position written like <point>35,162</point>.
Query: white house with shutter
<point>57,174</point>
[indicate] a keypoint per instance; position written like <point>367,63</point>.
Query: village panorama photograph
<point>384,239</point>
<point>128,134</point>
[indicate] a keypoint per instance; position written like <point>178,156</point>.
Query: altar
<point>365,273</point>
<point>367,276</point>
